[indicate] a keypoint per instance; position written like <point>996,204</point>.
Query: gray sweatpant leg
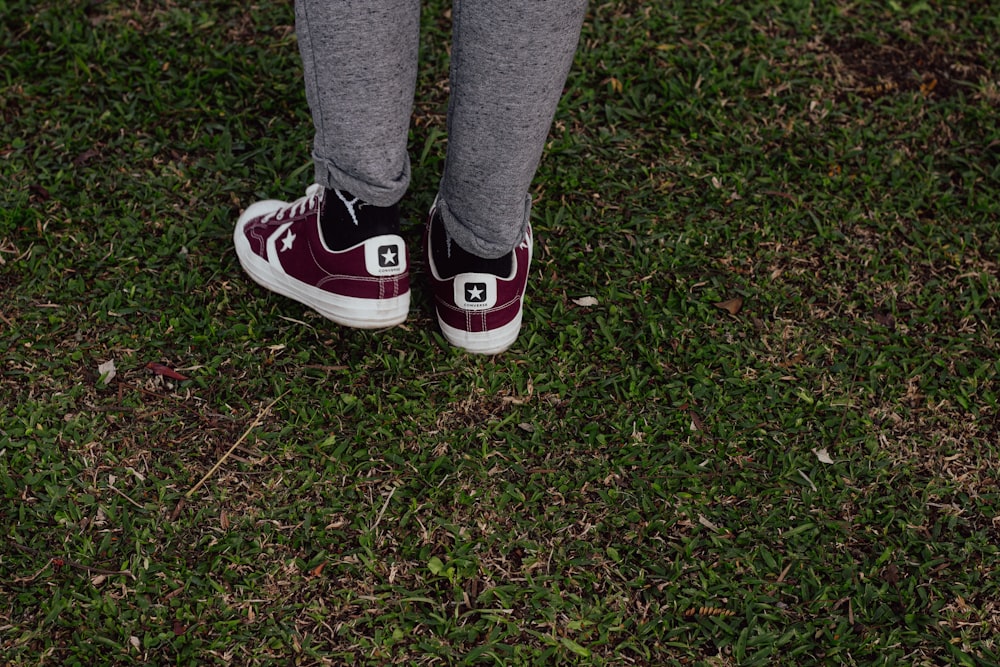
<point>360,63</point>
<point>509,63</point>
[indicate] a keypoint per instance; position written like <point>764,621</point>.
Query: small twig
<point>122,494</point>
<point>843,417</point>
<point>218,464</point>
<point>292,319</point>
<point>179,403</point>
<point>784,195</point>
<point>69,563</point>
<point>810,482</point>
<point>322,367</point>
<point>28,580</point>
<point>381,512</point>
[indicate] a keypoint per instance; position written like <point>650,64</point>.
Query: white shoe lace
<point>298,206</point>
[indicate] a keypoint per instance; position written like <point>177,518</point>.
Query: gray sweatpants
<point>509,62</point>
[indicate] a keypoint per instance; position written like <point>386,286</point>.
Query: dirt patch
<point>895,66</point>
<point>8,279</point>
<point>473,412</point>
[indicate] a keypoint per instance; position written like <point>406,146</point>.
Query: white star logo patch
<point>478,294</point>
<point>287,241</point>
<point>386,259</point>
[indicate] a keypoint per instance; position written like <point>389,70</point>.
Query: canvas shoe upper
<point>480,312</point>
<point>280,245</point>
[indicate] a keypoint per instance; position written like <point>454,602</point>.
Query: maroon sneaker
<point>366,286</point>
<point>479,312</point>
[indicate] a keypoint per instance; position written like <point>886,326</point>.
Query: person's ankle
<point>450,259</point>
<point>346,220</point>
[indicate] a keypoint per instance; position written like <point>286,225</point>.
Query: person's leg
<point>509,63</point>
<point>360,64</point>
<point>338,249</point>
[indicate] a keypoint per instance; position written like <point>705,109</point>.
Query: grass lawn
<point>770,437</point>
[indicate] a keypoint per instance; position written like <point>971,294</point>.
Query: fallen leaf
<point>166,371</point>
<point>39,192</point>
<point>708,524</point>
<point>731,306</point>
<point>107,371</point>
<point>585,301</point>
<point>85,157</point>
<point>696,422</point>
<point>795,360</point>
<point>823,455</point>
<point>177,509</point>
<point>318,570</point>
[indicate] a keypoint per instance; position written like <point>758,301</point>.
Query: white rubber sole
<point>493,341</point>
<point>347,311</point>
